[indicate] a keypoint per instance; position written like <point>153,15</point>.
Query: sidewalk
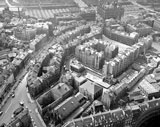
<point>39,116</point>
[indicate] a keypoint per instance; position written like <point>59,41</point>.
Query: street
<point>21,94</point>
<point>141,6</point>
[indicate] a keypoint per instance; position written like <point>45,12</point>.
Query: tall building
<point>117,65</point>
<point>95,52</point>
<point>106,98</point>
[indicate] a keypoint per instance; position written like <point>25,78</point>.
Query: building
<point>136,95</point>
<point>141,28</point>
<point>39,79</point>
<point>148,89</point>
<point>117,65</point>
<point>64,27</point>
<point>22,119</point>
<point>98,106</point>
<point>156,36</point>
<point>53,97</point>
<point>106,98</point>
<point>10,70</point>
<point>76,66</point>
<point>88,15</point>
<point>115,31</point>
<point>107,11</point>
<point>67,78</point>
<point>127,83</point>
<point>117,117</point>
<point>25,34</point>
<point>94,52</point>
<point>38,42</point>
<point>4,53</point>
<point>53,58</point>
<point>78,81</point>
<point>67,107</point>
<point>91,90</point>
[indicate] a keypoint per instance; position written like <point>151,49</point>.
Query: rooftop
<point>90,86</point>
<point>97,80</point>
<point>60,89</point>
<point>69,105</point>
<point>54,94</point>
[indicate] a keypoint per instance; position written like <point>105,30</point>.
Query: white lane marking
<point>8,107</point>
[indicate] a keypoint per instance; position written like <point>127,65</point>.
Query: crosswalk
<point>49,13</point>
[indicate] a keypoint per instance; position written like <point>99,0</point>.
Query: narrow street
<point>21,94</point>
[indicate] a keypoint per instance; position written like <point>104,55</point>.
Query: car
<point>21,103</point>
<point>13,95</point>
<point>17,111</point>
<point>1,112</point>
<point>12,116</point>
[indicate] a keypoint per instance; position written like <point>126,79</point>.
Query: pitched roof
<point>69,105</point>
<point>61,89</point>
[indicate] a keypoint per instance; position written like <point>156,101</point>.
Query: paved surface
<point>21,94</point>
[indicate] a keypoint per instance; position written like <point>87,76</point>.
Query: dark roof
<point>78,122</point>
<point>128,113</point>
<point>98,118</point>
<point>60,89</point>
<point>143,107</point>
<point>107,116</point>
<point>69,105</point>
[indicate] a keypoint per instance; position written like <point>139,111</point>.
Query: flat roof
<point>97,80</point>
<point>91,87</point>
<point>80,79</point>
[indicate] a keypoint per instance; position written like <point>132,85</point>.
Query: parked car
<point>21,103</point>
<point>1,112</point>
<point>12,116</point>
<point>17,111</point>
<point>13,95</point>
